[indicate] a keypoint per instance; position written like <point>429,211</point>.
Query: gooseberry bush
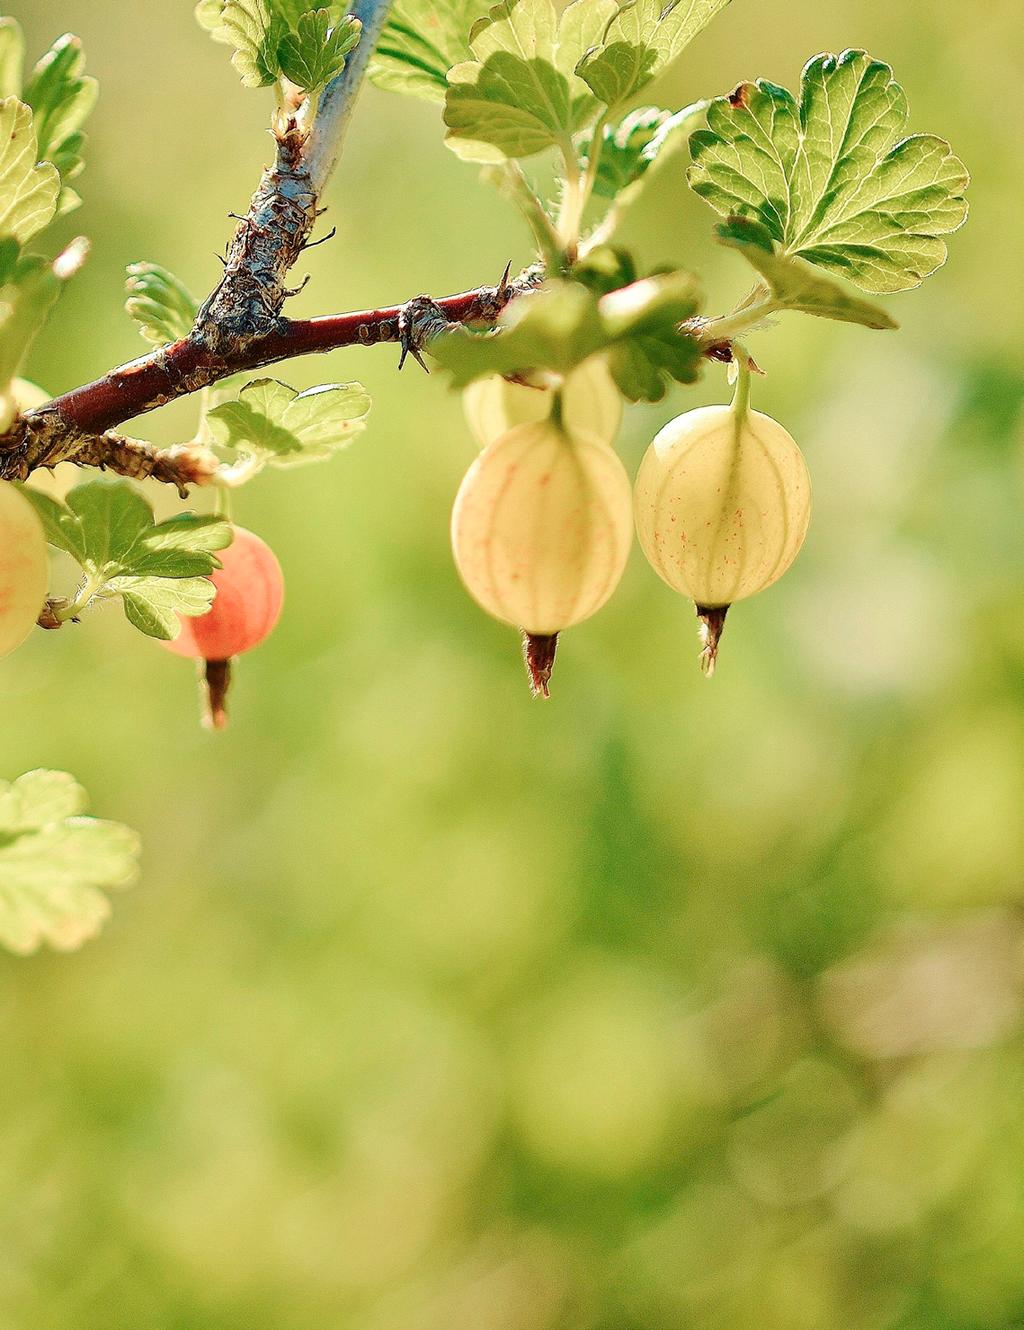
<point>821,192</point>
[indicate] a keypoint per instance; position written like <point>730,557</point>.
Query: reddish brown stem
<point>186,366</point>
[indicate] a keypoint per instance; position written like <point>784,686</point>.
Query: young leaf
<point>62,528</point>
<point>208,14</point>
<point>28,192</point>
<point>250,27</point>
<point>291,11</point>
<point>632,147</point>
<point>556,328</point>
<point>159,303</point>
<point>153,604</point>
<point>61,95</point>
<point>315,52</point>
<point>12,57</point>
<point>794,283</point>
<point>55,863</point>
<point>272,424</point>
<point>421,41</point>
<point>641,39</point>
<point>158,568</point>
<point>520,94</point>
<point>829,177</point>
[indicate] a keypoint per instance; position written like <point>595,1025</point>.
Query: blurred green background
<point>665,1004</point>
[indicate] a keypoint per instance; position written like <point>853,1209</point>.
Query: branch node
<point>420,320</point>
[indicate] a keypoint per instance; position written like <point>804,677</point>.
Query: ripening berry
<point>541,531</point>
<point>722,503</point>
<point>24,568</point>
<point>591,404</point>
<point>250,593</point>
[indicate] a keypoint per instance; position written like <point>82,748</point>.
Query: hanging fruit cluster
<point>543,521</point>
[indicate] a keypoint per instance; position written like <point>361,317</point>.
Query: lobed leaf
<point>640,40</point>
<point>642,138</point>
<point>153,604</point>
<point>315,52</point>
<point>28,191</point>
<point>306,43</point>
<point>794,283</point>
<point>249,27</point>
<point>56,864</point>
<point>421,42</point>
<point>291,12</point>
<point>272,424</point>
<point>829,176</point>
<point>520,94</point>
<point>159,303</point>
<point>158,568</point>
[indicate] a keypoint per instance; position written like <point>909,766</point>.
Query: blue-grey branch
<point>339,98</point>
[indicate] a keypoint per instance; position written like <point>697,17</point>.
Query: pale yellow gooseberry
<point>591,404</point>
<point>541,531</point>
<point>722,503</point>
<point>24,568</point>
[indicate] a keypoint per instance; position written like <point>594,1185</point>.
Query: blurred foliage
<point>666,1004</point>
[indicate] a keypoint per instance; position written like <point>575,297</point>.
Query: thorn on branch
<point>420,320</point>
<point>312,244</point>
<point>292,291</point>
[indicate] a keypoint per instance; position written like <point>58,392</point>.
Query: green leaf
<point>55,864</point>
<point>642,138</point>
<point>556,328</point>
<point>33,287</point>
<point>641,39</point>
<point>648,348</point>
<point>291,11</point>
<point>12,57</point>
<point>208,14</point>
<point>520,94</point>
<point>153,604</point>
<point>313,54</point>
<point>795,284</point>
<point>159,569</point>
<point>270,423</point>
<point>250,28</point>
<point>28,192</point>
<point>159,303</point>
<point>830,178</point>
<point>62,96</point>
<point>62,528</point>
<point>421,41</point>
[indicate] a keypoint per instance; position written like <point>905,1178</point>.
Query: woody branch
<point>240,327</point>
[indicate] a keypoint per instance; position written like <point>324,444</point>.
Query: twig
<point>75,425</point>
<point>338,101</point>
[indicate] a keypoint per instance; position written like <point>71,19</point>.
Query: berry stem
<point>741,397</point>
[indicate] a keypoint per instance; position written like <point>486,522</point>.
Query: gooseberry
<point>247,605</point>
<point>24,568</point>
<point>722,503</point>
<point>541,531</point>
<point>591,404</point>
